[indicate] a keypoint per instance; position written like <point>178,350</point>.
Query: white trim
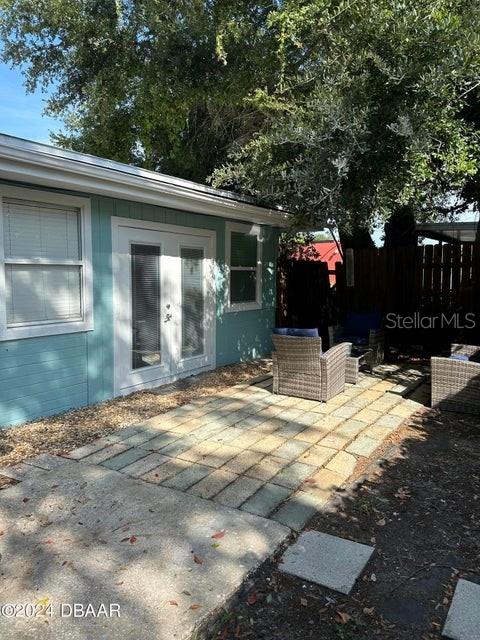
<point>48,166</point>
<point>252,230</point>
<point>50,328</point>
<point>184,367</point>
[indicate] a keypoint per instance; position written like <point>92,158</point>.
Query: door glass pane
<point>146,328</point>
<point>192,302</point>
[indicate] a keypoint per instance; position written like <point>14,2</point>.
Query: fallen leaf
<point>303,602</point>
<point>403,493</point>
<point>133,539</point>
<point>173,602</point>
<point>25,499</point>
<point>252,597</point>
<point>382,522</point>
<point>48,541</point>
<point>197,559</point>
<point>342,618</point>
<point>43,602</point>
<point>219,535</point>
<point>195,606</point>
<point>215,545</point>
<point>368,611</point>
<point>119,583</point>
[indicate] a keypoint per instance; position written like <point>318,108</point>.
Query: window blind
<point>37,230</point>
<point>42,293</point>
<point>192,302</point>
<point>243,250</point>
<point>146,327</point>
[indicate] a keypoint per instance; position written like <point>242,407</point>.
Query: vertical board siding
<point>48,375</point>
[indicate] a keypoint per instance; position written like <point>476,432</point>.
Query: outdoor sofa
<point>456,380</point>
<point>301,369</point>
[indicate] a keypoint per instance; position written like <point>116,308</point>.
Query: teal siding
<point>47,375</point>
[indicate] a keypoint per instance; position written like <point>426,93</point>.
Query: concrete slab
<point>463,619</point>
<point>326,560</point>
<point>88,534</point>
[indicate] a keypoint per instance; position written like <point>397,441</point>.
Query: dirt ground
<point>72,429</point>
<point>420,509</point>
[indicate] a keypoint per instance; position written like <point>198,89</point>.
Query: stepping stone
<point>463,619</point>
<point>329,561</point>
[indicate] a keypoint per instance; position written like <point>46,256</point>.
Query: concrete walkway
<point>128,519</point>
<point>85,534</point>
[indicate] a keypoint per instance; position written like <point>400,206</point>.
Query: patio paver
<point>251,449</point>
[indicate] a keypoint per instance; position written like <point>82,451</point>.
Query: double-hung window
<point>45,264</point>
<point>244,266</point>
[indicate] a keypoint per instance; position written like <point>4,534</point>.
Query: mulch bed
<point>66,431</point>
<point>421,511</point>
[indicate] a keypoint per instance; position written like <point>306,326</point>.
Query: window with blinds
<point>243,266</point>
<point>193,304</point>
<point>42,246</point>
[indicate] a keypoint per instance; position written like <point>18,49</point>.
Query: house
<point>324,251</point>
<point>115,279</point>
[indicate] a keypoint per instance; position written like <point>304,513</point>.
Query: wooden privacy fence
<point>415,281</point>
<point>429,280</point>
<point>303,293</point>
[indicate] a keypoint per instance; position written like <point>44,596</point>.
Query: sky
<point>21,114</point>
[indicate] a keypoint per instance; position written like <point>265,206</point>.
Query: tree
<point>373,121</point>
<point>338,110</point>
<point>154,83</point>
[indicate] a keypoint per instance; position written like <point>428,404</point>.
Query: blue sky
<point>21,114</point>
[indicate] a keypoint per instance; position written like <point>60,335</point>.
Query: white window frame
<point>51,328</point>
<point>252,229</point>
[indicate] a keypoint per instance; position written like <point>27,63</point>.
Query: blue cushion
<point>304,333</point>
<point>360,324</point>
<point>280,331</point>
<point>356,340</point>
<point>459,356</point>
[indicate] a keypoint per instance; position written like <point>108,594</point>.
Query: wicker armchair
<point>376,342</point>
<point>456,383</point>
<point>300,369</point>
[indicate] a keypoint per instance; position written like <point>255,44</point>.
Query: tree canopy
<point>341,110</point>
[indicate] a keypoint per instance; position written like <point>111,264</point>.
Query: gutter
<point>46,166</point>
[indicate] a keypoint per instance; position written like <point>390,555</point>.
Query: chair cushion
<point>280,331</point>
<point>303,333</point>
<point>360,324</point>
<point>459,356</point>
<point>356,340</point>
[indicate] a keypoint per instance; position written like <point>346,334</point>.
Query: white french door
<point>164,305</point>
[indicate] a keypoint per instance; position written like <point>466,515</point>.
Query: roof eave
<point>26,166</point>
